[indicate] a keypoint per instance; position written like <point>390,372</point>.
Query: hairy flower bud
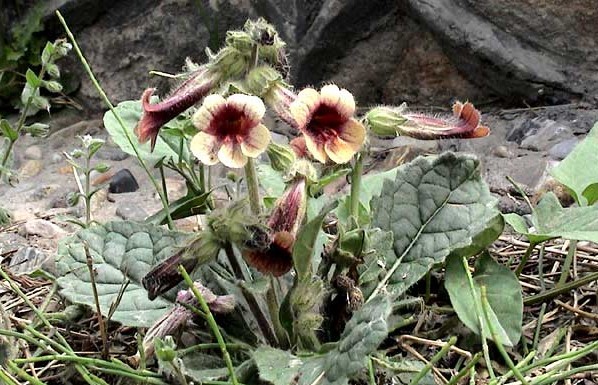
<point>384,120</point>
<point>281,157</point>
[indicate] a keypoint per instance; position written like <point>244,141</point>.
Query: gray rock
<point>546,135</point>
<point>33,152</point>
<point>560,150</point>
<point>27,260</point>
<point>42,228</point>
<point>123,182</point>
<point>131,211</point>
<point>112,153</point>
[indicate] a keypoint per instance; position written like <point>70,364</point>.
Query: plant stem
<point>23,374</point>
<point>253,188</point>
<point>118,118</point>
<point>87,189</point>
<point>528,253</point>
<point>274,308</point>
<point>356,186</point>
<point>567,263</point>
<point>549,294</point>
<point>474,360</point>
<point>501,349</point>
<point>371,371</point>
<point>7,378</point>
<point>212,323</point>
<point>417,378</point>
<point>92,278</point>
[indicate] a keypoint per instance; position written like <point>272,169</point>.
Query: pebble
<point>42,228</point>
<point>30,168</point>
<point>42,192</point>
<point>114,154</point>
<point>131,211</point>
<point>502,152</point>
<point>33,152</point>
<point>560,150</point>
<point>123,182</point>
<point>57,158</point>
<point>27,260</point>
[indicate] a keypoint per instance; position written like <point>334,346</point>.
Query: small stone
<point>123,182</point>
<point>43,228</point>
<point>508,205</point>
<point>31,168</point>
<point>27,260</point>
<point>131,211</point>
<point>33,152</point>
<point>56,158</point>
<point>502,152</point>
<point>98,199</point>
<point>42,192</point>
<point>176,188</point>
<point>560,150</point>
<point>111,153</point>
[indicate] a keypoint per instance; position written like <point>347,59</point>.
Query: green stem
<point>567,263</point>
<point>549,294</point>
<point>5,377</point>
<point>474,360</point>
<point>118,118</point>
<point>567,374</point>
<point>253,188</point>
<point>23,374</point>
<point>212,323</point>
<point>528,253</point>
<point>356,186</point>
<point>87,190</point>
<point>371,371</point>
<point>274,308</point>
<point>417,378</point>
<point>501,349</point>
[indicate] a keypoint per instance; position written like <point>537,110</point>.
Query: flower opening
<point>230,130</point>
<point>326,120</point>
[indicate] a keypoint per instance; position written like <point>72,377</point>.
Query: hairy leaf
<point>550,220</point>
<point>578,170</point>
<point>276,366</point>
<point>380,250</point>
<point>435,205</point>
<point>121,251</point>
<point>504,297</point>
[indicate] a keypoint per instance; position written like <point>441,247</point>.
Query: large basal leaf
<point>503,292</point>
<point>435,205</point>
<point>380,250</point>
<point>551,220</point>
<point>278,367</point>
<point>120,251</point>
<point>363,333</point>
<point>578,170</point>
<point>130,112</point>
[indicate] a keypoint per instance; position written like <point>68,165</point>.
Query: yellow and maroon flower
<point>230,130</point>
<point>391,121</point>
<point>326,120</point>
<point>284,222</point>
<point>199,84</point>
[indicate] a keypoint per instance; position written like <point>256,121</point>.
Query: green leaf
<point>504,297</point>
<point>550,220</point>
<point>363,333</point>
<point>327,179</point>
<point>130,111</point>
<point>303,250</point>
<point>120,251</point>
<point>47,53</point>
<point>435,205</point>
<point>276,366</point>
<point>32,80</point>
<point>374,267</point>
<point>8,131</point>
<point>190,204</point>
<point>578,170</point>
<point>270,180</point>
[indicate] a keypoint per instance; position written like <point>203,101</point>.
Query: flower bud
<point>303,168</point>
<point>281,157</point>
<point>165,349</point>
<point>38,130</point>
<point>384,120</point>
<point>261,80</point>
<point>53,86</point>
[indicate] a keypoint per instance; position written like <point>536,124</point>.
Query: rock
<point>10,242</point>
<point>42,192</point>
<point>57,158</point>
<point>33,152</point>
<point>42,228</point>
<point>176,188</point>
<point>112,153</point>
<point>560,150</point>
<point>27,260</point>
<point>98,199</point>
<point>507,205</point>
<point>123,182</point>
<point>502,152</point>
<point>30,168</point>
<point>546,135</point>
<point>131,211</point>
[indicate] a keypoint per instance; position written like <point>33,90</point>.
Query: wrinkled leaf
<point>120,251</point>
<point>578,170</point>
<point>276,366</point>
<point>374,266</point>
<point>363,333</point>
<point>550,220</point>
<point>130,111</point>
<point>303,250</point>
<point>504,297</point>
<point>436,205</point>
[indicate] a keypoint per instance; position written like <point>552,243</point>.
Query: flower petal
<point>339,151</point>
<point>353,133</point>
<point>252,106</point>
<point>331,95</point>
<point>315,149</point>
<point>231,155</point>
<point>203,116</point>
<point>205,147</point>
<point>302,107</point>
<point>346,105</point>
<point>256,141</point>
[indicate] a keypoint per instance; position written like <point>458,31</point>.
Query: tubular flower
<point>284,222</point>
<point>201,82</point>
<point>464,123</point>
<point>230,130</point>
<point>326,120</point>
